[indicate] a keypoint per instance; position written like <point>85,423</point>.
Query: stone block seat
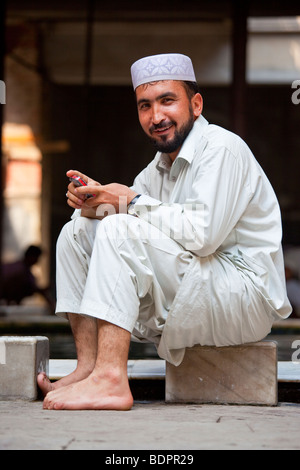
<point>244,374</point>
<point>21,359</point>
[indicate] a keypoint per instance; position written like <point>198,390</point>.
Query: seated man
<point>190,254</point>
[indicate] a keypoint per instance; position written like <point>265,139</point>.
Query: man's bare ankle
<point>85,367</point>
<point>114,375</point>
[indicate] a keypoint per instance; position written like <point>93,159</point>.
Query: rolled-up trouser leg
<point>73,253</point>
<point>130,276</point>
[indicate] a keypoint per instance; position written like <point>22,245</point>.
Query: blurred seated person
<point>18,281</point>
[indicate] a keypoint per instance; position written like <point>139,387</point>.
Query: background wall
<point>67,75</point>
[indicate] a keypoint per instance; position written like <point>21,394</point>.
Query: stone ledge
<point>287,371</point>
<point>147,378</point>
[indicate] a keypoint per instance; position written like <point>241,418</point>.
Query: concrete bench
<point>21,359</point>
<point>245,374</point>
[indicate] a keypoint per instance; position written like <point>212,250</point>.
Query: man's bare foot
<point>108,391</point>
<point>47,386</point>
<point>44,384</point>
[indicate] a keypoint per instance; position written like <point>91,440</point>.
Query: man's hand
<point>107,199</point>
<point>76,200</point>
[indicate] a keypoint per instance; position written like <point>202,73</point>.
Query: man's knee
<point>118,227</point>
<point>65,233</point>
<point>75,230</point>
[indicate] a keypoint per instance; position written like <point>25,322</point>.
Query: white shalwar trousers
<point>121,270</point>
<point>127,272</point>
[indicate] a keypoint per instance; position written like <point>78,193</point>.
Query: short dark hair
<point>191,88</point>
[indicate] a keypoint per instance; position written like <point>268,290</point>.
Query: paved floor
<point>151,425</point>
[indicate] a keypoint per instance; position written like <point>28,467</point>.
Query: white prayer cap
<point>162,67</point>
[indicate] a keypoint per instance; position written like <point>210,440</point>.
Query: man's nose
<point>157,114</point>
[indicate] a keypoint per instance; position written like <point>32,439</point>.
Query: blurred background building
<point>69,101</point>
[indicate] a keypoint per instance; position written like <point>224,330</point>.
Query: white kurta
<point>236,280</point>
<point>219,208</point>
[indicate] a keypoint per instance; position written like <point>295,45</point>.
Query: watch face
<point>131,210</point>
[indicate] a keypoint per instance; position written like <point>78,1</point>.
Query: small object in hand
<point>79,182</point>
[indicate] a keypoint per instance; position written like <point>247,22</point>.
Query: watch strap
<point>134,200</point>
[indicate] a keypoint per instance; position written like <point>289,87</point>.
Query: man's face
<point>167,114</point>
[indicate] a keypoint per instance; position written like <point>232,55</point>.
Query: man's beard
<point>180,135</point>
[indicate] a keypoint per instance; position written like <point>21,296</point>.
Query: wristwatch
<point>130,207</point>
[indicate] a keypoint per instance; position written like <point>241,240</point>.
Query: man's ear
<point>197,105</point>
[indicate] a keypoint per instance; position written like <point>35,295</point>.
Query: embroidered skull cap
<point>162,67</point>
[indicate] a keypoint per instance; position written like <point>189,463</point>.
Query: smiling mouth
<point>160,130</point>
